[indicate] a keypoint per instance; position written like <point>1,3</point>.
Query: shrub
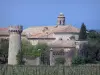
<point>60,60</point>
<point>78,60</point>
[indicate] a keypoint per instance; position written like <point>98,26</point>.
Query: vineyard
<point>50,70</point>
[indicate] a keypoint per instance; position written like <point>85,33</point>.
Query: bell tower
<point>61,19</point>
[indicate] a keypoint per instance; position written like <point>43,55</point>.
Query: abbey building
<point>61,37</point>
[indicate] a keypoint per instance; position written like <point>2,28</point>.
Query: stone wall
<point>33,61</point>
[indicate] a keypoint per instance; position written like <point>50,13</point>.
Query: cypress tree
<point>83,35</point>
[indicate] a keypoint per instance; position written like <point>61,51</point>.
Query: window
<point>72,37</point>
<point>60,22</point>
<point>61,52</point>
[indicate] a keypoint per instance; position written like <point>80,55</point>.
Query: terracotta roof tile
<point>1,29</point>
<point>37,32</point>
<point>50,29</point>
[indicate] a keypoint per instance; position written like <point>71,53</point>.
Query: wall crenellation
<point>15,28</point>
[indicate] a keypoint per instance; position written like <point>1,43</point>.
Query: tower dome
<point>61,15</point>
<point>61,19</point>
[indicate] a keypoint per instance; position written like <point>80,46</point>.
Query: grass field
<point>50,70</point>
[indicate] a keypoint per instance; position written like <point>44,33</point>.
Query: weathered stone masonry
<point>14,43</point>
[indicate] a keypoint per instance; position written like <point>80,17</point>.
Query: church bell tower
<point>61,19</point>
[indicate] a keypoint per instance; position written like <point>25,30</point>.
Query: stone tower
<point>61,19</point>
<point>14,43</point>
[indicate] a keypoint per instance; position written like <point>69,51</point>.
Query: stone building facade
<point>60,37</point>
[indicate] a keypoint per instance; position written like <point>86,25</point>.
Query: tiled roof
<point>41,35</point>
<point>68,29</point>
<point>43,31</point>
<point>4,31</point>
<point>40,32</point>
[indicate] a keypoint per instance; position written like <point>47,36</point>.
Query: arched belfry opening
<point>61,19</point>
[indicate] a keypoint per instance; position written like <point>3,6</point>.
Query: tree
<point>89,53</point>
<point>78,60</point>
<point>94,42</point>
<point>19,56</point>
<point>83,34</point>
<point>27,48</point>
<point>93,35</point>
<point>39,50</point>
<point>4,44</point>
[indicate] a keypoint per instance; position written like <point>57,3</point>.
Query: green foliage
<point>27,48</point>
<point>49,70</point>
<point>20,58</point>
<point>78,60</point>
<point>30,50</point>
<point>94,45</point>
<point>4,44</point>
<point>83,34</point>
<point>60,60</point>
<point>39,49</point>
<point>93,35</point>
<point>89,53</point>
